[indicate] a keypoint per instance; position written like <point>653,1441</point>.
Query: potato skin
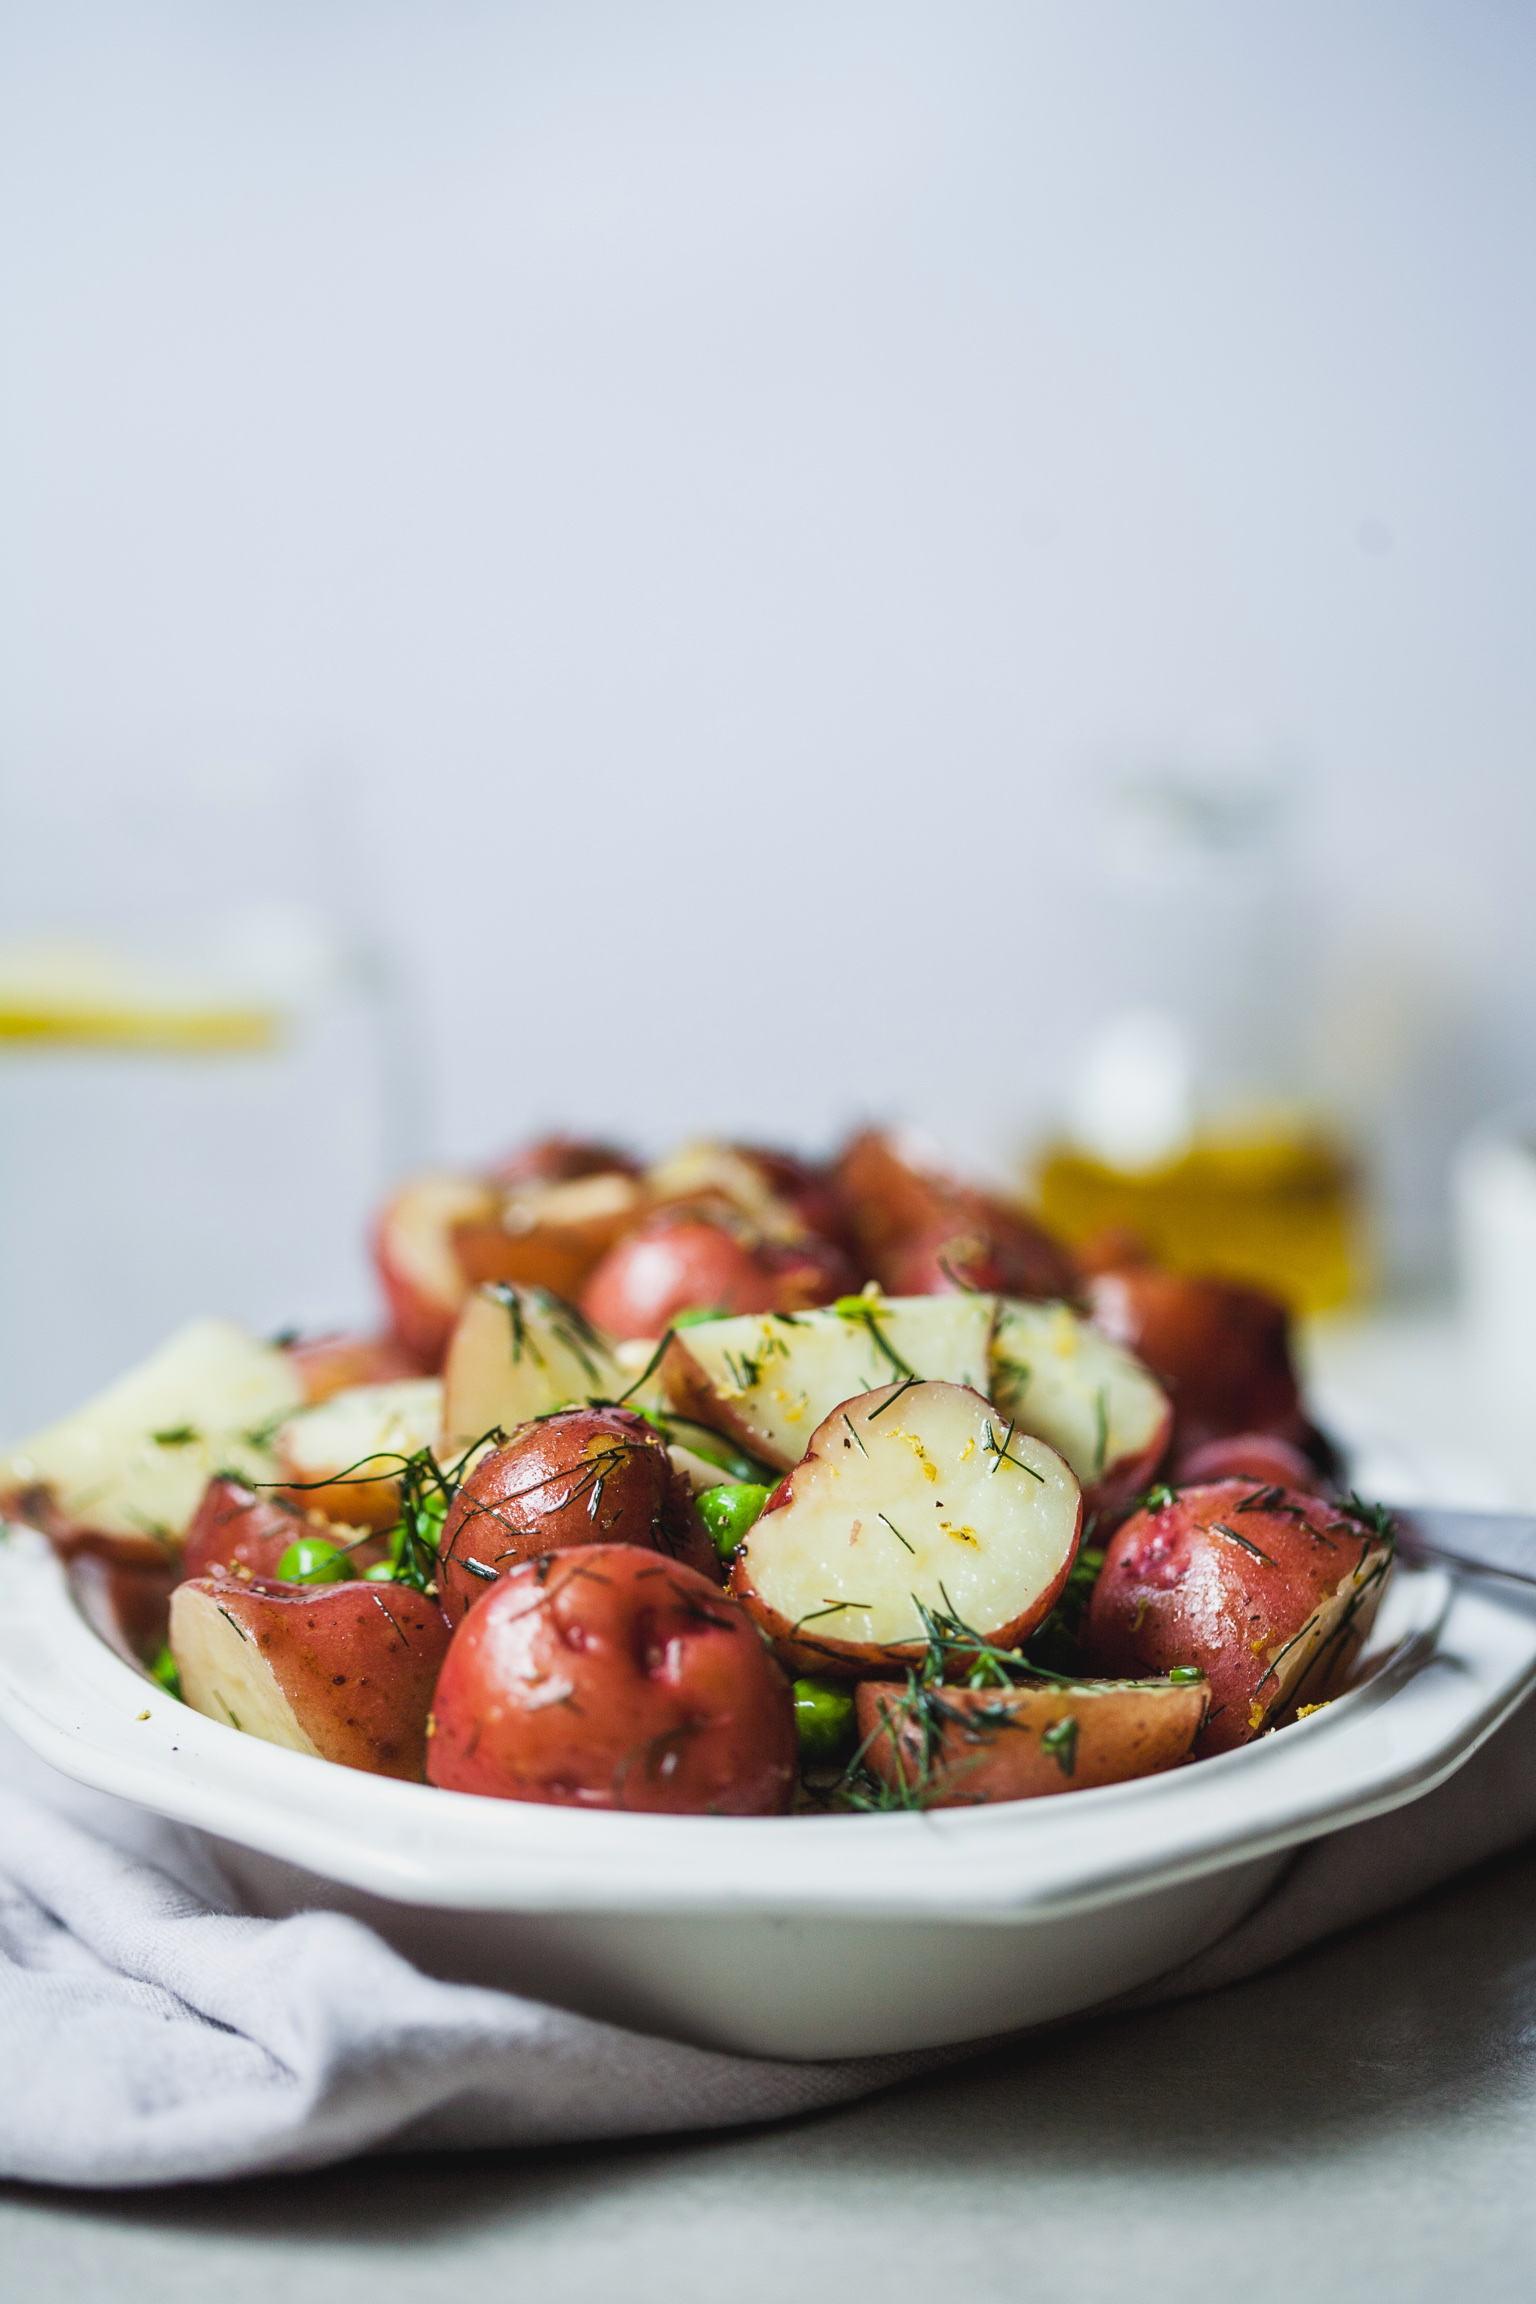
<point>1226,1577</point>
<point>562,1160</point>
<point>609,1677</point>
<point>922,1233</point>
<point>358,1663</point>
<point>338,1363</point>
<point>1222,1349</point>
<point>583,1476</point>
<point>248,1531</point>
<point>988,1745</point>
<point>1253,1456</point>
<point>423,1282</point>
<point>680,1264</point>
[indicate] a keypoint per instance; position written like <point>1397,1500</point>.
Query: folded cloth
<point>152,2035</point>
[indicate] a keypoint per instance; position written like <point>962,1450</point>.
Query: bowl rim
<point>1452,1658</point>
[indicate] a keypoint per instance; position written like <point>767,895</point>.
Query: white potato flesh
<point>224,1674</point>
<point>517,1353</point>
<point>907,1495</point>
<point>134,1461</point>
<point>369,1426</point>
<point>1069,1384</point>
<point>769,1379</point>
<point>699,1475</point>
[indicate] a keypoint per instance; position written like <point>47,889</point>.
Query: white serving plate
<point>805,1936</point>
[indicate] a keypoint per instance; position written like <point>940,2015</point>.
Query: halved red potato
<point>767,1382</point>
<point>921,1231</point>
<point>423,1281</point>
<point>581,1476</point>
<point>342,1671</point>
<point>954,1747</point>
<point>247,1531</point>
<point>780,1198</point>
<point>550,1235</point>
<point>1222,1349</point>
<point>681,1262</point>
<point>338,1363</point>
<point>344,1457</point>
<point>1095,1404</point>
<point>914,1494</point>
<point>516,1354</point>
<point>1269,1592</point>
<point>124,1474</point>
<point>611,1677</point>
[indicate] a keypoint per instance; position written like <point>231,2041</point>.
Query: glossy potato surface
<point>1268,1591</point>
<point>612,1677</point>
<point>694,1264</point>
<point>583,1476</point>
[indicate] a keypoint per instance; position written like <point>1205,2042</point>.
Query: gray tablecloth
<point>152,2034</point>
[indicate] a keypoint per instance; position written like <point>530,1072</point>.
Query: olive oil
<point>1278,1204</point>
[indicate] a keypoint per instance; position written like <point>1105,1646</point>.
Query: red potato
<point>1222,1349</point>
<point>344,1457</point>
<point>908,1497</point>
<point>551,1235</point>
<point>1250,1456</point>
<point>681,1264</point>
<point>423,1281</point>
<point>344,1672</point>
<point>562,1160</point>
<point>1269,1592</point>
<point>780,1197</point>
<point>583,1476</point>
<point>805,1187</point>
<point>920,1232</point>
<point>611,1678</point>
<point>957,1747</point>
<point>247,1531</point>
<point>326,1365</point>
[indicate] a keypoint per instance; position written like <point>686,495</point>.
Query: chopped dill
<point>1220,1528</point>
<point>1060,1740</point>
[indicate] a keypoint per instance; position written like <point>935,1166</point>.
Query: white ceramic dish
<point>793,1936</point>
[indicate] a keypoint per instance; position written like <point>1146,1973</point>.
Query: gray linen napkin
<point>149,2034</point>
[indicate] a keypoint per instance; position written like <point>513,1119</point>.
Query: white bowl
<point>799,1936</point>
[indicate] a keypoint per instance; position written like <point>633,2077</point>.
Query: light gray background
<point>731,483</point>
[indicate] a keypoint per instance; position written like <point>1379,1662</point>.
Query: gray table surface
<point>1359,2124</point>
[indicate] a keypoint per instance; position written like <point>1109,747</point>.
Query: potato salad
<point>733,1485</point>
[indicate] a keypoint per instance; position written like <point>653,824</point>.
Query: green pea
<point>729,1511</point>
<point>164,1670</point>
<point>824,1717</point>
<point>314,1560</point>
<point>382,1572</point>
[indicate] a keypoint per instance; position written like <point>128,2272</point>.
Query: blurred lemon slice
<point>87,996</point>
